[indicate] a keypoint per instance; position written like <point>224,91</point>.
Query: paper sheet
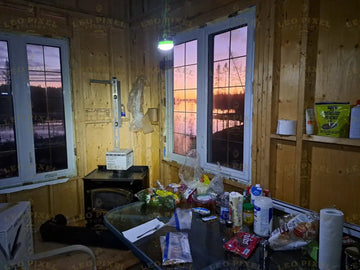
<point>132,234</point>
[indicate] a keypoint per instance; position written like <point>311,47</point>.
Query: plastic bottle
<point>355,121</point>
<point>224,208</point>
<point>255,191</point>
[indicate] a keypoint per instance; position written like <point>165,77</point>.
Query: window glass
<point>47,107</point>
<point>226,128</point>
<point>185,95</point>
<point>8,151</point>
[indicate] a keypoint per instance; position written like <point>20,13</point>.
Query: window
<point>209,95</point>
<point>36,142</point>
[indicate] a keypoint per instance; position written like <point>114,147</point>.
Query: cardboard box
<point>121,159</point>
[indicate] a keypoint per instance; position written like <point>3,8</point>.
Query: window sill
<point>32,186</point>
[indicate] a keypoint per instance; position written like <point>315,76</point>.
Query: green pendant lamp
<point>165,43</point>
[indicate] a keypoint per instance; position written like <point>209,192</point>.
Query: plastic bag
<point>158,198</point>
<point>181,219</point>
<point>190,172</point>
<point>296,233</point>
<point>134,104</point>
<point>175,248</point>
<point>216,185</point>
<point>333,119</point>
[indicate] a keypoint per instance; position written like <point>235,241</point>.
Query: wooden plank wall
<point>306,51</point>
<point>98,35</point>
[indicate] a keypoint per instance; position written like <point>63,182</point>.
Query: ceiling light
<point>165,44</point>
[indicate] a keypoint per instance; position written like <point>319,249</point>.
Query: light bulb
<point>165,45</point>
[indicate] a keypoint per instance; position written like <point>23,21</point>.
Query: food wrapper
<point>333,119</point>
<point>296,233</point>
<point>243,244</point>
<point>175,248</point>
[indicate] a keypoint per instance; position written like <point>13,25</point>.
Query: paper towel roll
<point>330,240</point>
<point>286,127</point>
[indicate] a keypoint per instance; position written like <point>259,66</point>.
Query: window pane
<point>185,100</point>
<point>191,75</point>
<point>179,144</point>
<point>179,100</point>
<point>4,58</point>
<point>238,42</point>
<point>47,108</point>
<point>191,52</point>
<point>179,122</point>
<point>52,58</point>
<point>190,126</point>
<point>227,125</point>
<point>221,46</point>
<point>35,56</point>
<point>179,55</point>
<point>191,101</point>
<point>237,71</point>
<point>221,73</point>
<point>179,78</point>
<point>8,150</point>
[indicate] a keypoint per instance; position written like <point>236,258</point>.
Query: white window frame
<point>23,115</point>
<point>245,17</point>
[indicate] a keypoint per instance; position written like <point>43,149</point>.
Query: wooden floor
<point>105,258</point>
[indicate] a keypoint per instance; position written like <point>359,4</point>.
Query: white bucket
<point>263,216</point>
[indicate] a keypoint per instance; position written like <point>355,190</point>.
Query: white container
<point>355,122</point>
<point>263,216</point>
<point>236,207</point>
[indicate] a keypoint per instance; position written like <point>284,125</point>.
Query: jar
<point>205,201</point>
<point>248,213</point>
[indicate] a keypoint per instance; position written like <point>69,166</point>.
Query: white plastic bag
<point>175,248</point>
<point>181,219</point>
<point>134,104</point>
<point>190,172</point>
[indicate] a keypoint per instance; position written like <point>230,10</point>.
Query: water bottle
<point>224,208</point>
<point>355,121</point>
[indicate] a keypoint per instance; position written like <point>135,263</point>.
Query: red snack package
<point>243,243</point>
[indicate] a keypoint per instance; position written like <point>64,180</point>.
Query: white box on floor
<point>16,241</point>
<point>121,159</point>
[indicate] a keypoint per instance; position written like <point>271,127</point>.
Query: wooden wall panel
<point>40,200</point>
<point>98,140</point>
<point>335,180</point>
<point>66,199</point>
<point>285,172</point>
<point>290,53</point>
<point>338,69</point>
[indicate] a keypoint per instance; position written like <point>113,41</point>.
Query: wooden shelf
<point>331,140</point>
<point>291,138</point>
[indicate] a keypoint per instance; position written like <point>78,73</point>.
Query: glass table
<point>206,243</point>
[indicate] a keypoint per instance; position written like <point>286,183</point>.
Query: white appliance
<point>16,241</point>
